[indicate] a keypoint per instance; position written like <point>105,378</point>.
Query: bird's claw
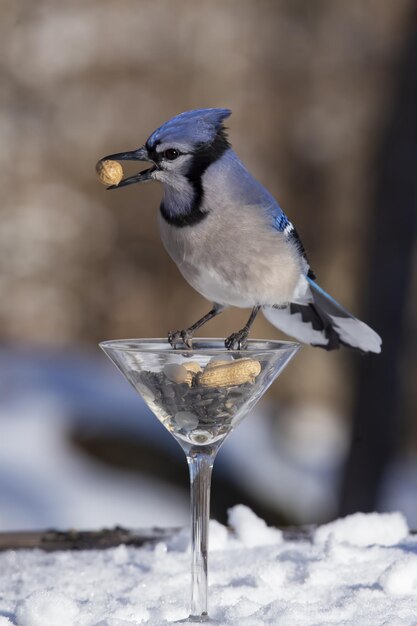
<point>178,336</point>
<point>237,341</point>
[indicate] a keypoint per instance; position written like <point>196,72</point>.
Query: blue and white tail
<point>320,321</point>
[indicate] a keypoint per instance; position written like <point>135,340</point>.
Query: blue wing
<point>283,224</point>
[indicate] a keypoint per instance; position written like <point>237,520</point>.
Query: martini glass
<point>200,396</point>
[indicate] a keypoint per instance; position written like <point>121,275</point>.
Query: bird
<point>231,240</point>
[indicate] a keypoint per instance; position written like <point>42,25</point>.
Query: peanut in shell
<point>230,374</point>
<point>109,172</point>
<point>192,366</point>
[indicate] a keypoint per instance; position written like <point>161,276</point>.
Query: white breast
<point>242,264</point>
<point>217,287</point>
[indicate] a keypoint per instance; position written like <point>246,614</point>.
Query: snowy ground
<point>359,571</point>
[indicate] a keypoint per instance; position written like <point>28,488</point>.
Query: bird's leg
<point>238,341</point>
<point>187,335</point>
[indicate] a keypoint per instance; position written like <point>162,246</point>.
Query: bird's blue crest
<point>198,126</point>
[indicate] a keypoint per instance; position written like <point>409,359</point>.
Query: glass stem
<point>200,463</point>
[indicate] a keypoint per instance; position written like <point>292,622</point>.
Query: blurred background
<point>324,100</point>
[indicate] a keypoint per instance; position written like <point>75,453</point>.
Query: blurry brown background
<point>313,87</point>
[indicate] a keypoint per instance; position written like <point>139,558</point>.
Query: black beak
<point>135,155</point>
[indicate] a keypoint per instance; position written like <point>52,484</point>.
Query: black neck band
<point>191,217</point>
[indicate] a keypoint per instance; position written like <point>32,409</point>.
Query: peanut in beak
<point>109,172</point>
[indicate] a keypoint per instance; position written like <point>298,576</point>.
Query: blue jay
<point>231,240</point>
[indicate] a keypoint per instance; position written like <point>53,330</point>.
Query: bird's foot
<point>237,341</point>
<point>178,336</point>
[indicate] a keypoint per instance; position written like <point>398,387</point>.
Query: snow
<point>358,571</point>
<point>48,608</point>
<point>400,579</point>
<point>360,529</point>
<point>250,529</point>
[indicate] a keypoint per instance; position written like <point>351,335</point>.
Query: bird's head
<point>180,150</point>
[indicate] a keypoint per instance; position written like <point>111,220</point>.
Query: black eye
<point>171,154</point>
